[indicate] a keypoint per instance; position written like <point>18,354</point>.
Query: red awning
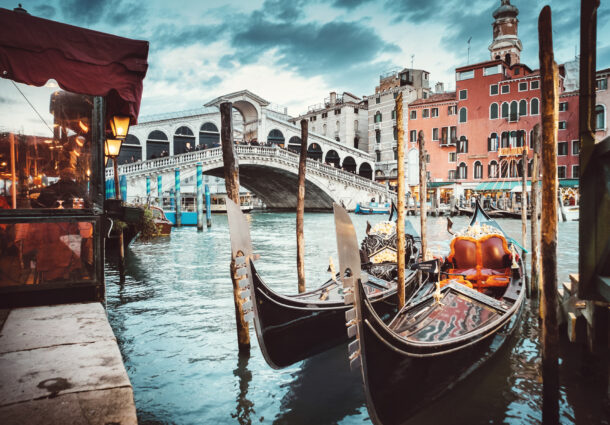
<point>34,50</point>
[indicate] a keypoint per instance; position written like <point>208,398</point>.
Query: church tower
<point>506,44</point>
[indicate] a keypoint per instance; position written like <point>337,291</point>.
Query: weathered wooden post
<point>199,196</point>
<point>177,197</point>
<point>208,206</point>
<point>301,208</point>
<point>535,220</point>
<point>524,212</point>
<point>231,174</point>
<point>160,190</point>
<point>550,334</point>
<point>400,221</point>
<point>422,191</point>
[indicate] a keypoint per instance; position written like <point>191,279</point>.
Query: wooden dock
<point>61,365</point>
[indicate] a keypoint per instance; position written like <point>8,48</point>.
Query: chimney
<point>333,97</point>
<point>439,87</point>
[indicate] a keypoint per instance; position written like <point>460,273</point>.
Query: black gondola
<point>292,328</point>
<point>442,334</point>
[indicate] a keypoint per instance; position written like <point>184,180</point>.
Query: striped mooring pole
<point>199,196</point>
<point>208,206</point>
<point>178,201</point>
<point>160,190</point>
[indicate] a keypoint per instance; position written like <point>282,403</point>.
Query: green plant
<point>147,227</point>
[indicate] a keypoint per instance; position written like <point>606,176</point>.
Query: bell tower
<point>506,44</point>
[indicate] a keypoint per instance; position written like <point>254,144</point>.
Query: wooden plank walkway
<point>61,365</point>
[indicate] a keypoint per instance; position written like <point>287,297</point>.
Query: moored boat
<point>294,327</point>
<point>163,225</point>
<point>445,331</point>
<point>372,208</point>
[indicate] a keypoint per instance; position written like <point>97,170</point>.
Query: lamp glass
<point>119,124</point>
<point>112,147</point>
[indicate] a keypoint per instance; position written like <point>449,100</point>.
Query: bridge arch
<point>209,134</point>
<point>156,142</point>
<point>314,151</point>
<point>294,144</point>
<point>184,140</point>
<point>366,170</point>
<point>131,150</point>
<point>276,137</point>
<point>349,164</point>
<point>332,157</point>
<point>250,114</point>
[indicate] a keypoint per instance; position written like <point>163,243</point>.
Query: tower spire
<point>506,44</point>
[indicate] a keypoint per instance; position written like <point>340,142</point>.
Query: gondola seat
<point>484,261</point>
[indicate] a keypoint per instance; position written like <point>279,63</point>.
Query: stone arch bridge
<point>269,172</point>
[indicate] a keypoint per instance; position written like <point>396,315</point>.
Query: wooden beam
<point>400,204</point>
<point>301,208</point>
<point>535,220</point>
<point>423,189</point>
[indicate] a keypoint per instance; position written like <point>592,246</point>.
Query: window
<point>466,75</point>
<point>505,89</point>
<point>601,84</point>
<point>523,86</point>
<point>513,111</point>
<point>428,160</point>
<point>451,175</point>
<point>575,147</point>
<point>377,116</point>
<point>395,94</point>
<point>462,171</point>
<point>491,70</point>
<point>493,90</point>
<point>434,112</point>
<point>324,114</point>
<point>452,110</point>
<point>562,148</point>
<point>445,136</point>
<point>378,155</point>
<point>435,134</point>
<point>413,136</point>
<point>324,130</point>
<point>505,110</point>
<point>338,126</point>
<point>395,133</point>
<point>463,115</point>
<point>535,85</point>
<point>452,157</point>
<point>393,114</point>
<point>563,125</point>
<point>426,113</point>
<point>563,106</point>
<point>356,110</point>
<point>478,170</point>
<point>492,170</point>
<point>534,106</point>
<point>463,94</point>
<point>462,145</point>
<point>522,107</point>
<point>575,171</point>
<point>517,71</point>
<point>520,139</point>
<point>378,136</point>
<point>600,117</point>
<point>413,115</point>
<point>377,99</point>
<point>561,172</point>
<point>513,139</point>
<point>493,111</point>
<point>504,142</point>
<point>492,143</point>
<point>453,134</point>
<point>532,139</point>
<point>337,111</point>
<point>395,154</point>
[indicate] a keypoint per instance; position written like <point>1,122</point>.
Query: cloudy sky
<point>294,52</point>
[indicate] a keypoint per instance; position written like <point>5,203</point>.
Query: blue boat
<point>373,208</point>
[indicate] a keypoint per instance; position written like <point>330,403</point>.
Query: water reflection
<point>244,408</point>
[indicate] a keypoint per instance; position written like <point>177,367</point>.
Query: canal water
<point>174,322</point>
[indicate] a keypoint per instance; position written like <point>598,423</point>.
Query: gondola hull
<point>399,382</point>
<point>290,329</point>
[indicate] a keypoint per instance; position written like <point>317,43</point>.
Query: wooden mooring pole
<point>423,188</point>
<point>535,220</point>
<point>301,208</point>
<point>400,221</point>
<point>231,174</point>
<point>550,334</point>
<point>524,213</point>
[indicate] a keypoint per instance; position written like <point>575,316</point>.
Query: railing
<point>244,152</point>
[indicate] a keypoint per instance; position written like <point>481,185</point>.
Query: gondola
<point>445,331</point>
<point>294,327</point>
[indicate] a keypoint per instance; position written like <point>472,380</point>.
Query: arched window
<point>505,110</point>
<point>504,169</point>
<point>513,139</point>
<point>184,140</point>
<point>209,135</point>
<point>492,143</point>
<point>462,146</point>
<point>529,168</point>
<point>492,170</point>
<point>377,116</point>
<point>504,142</point>
<point>378,136</point>
<point>294,144</point>
<point>366,170</point>
<point>532,138</point>
<point>332,157</point>
<point>600,117</point>
<point>534,106</point>
<point>463,115</point>
<point>513,168</point>
<point>493,111</point>
<point>157,145</point>
<point>462,171</point>
<point>276,137</point>
<point>478,170</point>
<point>513,110</point>
<point>349,164</point>
<point>395,133</point>
<point>520,168</point>
<point>522,107</point>
<point>314,151</point>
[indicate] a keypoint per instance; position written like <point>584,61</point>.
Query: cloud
<point>111,12</point>
<point>167,36</point>
<point>349,4</point>
<point>44,11</point>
